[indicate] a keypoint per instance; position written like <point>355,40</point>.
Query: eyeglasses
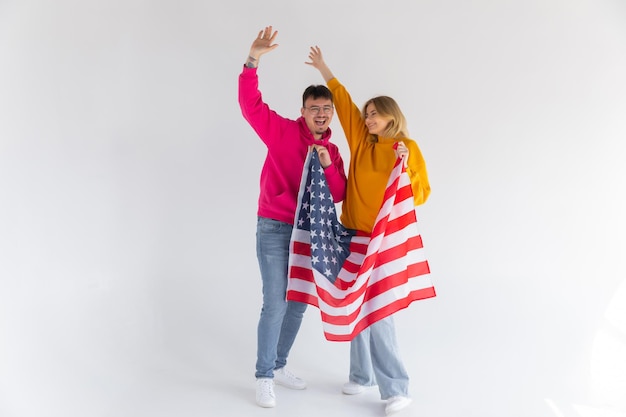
<point>315,110</point>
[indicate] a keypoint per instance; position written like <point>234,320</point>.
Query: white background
<point>129,285</point>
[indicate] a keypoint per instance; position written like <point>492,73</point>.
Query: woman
<point>376,136</point>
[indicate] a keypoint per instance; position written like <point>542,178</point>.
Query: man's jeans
<point>374,359</point>
<point>280,320</point>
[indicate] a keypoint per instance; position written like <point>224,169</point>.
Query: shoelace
<point>266,388</point>
<point>288,374</point>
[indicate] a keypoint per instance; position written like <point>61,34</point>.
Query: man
<point>287,142</point>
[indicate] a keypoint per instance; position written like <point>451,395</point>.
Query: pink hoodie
<point>287,144</point>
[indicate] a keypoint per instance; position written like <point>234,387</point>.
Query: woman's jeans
<point>374,359</point>
<point>280,319</point>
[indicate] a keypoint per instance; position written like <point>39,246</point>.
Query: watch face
<point>250,65</point>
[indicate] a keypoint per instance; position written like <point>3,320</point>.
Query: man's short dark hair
<point>315,92</point>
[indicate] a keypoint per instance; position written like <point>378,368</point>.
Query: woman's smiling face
<point>376,124</point>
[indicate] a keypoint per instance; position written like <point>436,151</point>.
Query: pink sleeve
<point>265,121</point>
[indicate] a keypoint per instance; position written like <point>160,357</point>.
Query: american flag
<point>356,279</point>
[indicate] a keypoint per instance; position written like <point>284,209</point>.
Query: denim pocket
<point>266,225</point>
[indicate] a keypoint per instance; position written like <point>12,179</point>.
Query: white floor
<point>470,370</point>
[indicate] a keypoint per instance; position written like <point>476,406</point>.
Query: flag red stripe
<point>303,298</point>
<point>399,251</point>
<point>404,193</point>
<point>400,223</point>
<point>299,272</point>
<point>301,248</point>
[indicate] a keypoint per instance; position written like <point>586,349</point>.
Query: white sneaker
<point>285,378</point>
<point>265,393</point>
<point>395,404</point>
<point>352,388</point>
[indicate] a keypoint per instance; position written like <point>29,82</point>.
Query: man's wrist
<point>252,62</point>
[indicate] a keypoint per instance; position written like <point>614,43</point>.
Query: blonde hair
<point>387,107</point>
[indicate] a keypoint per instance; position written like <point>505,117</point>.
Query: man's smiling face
<point>318,113</point>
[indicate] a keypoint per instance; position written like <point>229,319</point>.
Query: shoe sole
<point>357,391</point>
<point>398,409</point>
<point>289,386</point>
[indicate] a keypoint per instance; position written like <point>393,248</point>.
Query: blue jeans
<point>280,319</point>
<point>375,359</point>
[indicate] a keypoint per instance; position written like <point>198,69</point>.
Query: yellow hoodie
<point>371,164</point>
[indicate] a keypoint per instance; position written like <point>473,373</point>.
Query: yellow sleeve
<point>416,168</point>
<point>349,114</point>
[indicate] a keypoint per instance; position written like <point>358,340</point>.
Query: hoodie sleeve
<point>266,122</point>
<point>336,175</point>
<point>349,114</point>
